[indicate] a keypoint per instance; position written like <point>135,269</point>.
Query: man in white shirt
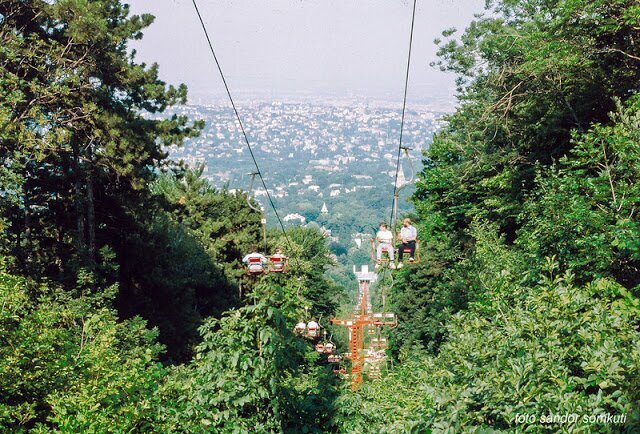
<point>408,236</point>
<point>255,261</point>
<point>384,238</point>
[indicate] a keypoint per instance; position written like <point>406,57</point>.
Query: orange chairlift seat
<point>379,343</point>
<point>386,319</point>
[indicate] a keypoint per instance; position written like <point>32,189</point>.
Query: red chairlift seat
<point>277,263</point>
<point>406,254</point>
<point>341,371</point>
<point>300,328</point>
<point>313,329</point>
<point>255,266</point>
<point>385,256</point>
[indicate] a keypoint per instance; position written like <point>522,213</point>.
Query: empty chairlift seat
<point>388,319</point>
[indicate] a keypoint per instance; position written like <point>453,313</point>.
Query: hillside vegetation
<point>124,306</point>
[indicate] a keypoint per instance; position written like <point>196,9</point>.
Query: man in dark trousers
<point>408,236</point>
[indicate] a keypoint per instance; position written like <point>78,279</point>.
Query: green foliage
<point>77,150</point>
<point>66,363</point>
<point>80,148</point>
<point>244,375</point>
<point>585,209</point>
<point>424,295</point>
<point>169,279</point>
<point>548,348</point>
<point>530,71</point>
<point>183,264</point>
<point>310,258</point>
<point>536,80</point>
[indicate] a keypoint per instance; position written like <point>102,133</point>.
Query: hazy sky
<point>280,48</point>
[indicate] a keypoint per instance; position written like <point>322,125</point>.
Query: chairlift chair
<point>313,329</point>
<point>379,343</point>
<point>385,256</point>
<point>277,263</point>
<point>390,319</point>
<point>406,254</point>
<point>300,328</point>
<point>255,266</point>
<point>328,347</point>
<point>342,372</point>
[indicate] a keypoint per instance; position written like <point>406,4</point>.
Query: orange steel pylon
<point>359,323</point>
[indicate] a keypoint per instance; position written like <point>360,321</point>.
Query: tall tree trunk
<point>80,242</point>
<point>27,226</point>
<point>91,211</point>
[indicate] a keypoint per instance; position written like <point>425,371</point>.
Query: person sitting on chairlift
<point>408,236</point>
<point>278,260</point>
<point>384,238</point>
<point>255,261</point>
<point>312,329</point>
<point>300,328</point>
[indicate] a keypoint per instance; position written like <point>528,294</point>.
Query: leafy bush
<point>549,348</point>
<point>66,362</point>
<point>243,375</point>
<point>584,211</point>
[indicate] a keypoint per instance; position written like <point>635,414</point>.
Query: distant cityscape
<point>315,157</point>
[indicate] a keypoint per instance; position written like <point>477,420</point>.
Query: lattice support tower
<point>359,323</point>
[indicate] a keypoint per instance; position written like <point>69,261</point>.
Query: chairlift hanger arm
<point>404,106</point>
<point>253,178</point>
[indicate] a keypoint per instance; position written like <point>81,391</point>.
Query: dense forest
<point>124,306</point>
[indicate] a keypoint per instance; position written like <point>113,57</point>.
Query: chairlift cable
<point>244,134</point>
<point>404,105</point>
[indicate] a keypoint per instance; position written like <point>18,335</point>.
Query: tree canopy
<point>124,306</point>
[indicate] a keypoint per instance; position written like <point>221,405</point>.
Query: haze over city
<point>286,48</point>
